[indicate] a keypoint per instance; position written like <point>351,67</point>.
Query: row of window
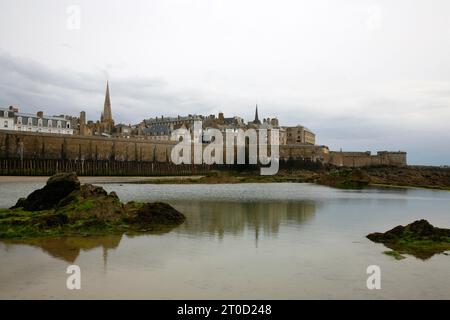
<point>6,125</point>
<point>40,123</point>
<point>30,121</point>
<point>40,130</point>
<point>174,122</point>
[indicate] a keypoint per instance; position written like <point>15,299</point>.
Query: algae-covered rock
<point>85,210</point>
<point>57,188</point>
<point>420,239</point>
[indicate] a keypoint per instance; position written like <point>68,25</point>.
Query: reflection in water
<point>240,241</point>
<point>69,248</point>
<point>202,218</point>
<point>220,218</point>
<point>420,252</point>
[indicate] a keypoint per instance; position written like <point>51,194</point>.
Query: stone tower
<point>106,124</point>
<point>107,114</point>
<point>256,121</point>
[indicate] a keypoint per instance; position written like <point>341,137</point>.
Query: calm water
<point>246,241</point>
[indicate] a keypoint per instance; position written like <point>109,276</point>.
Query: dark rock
<point>69,179</point>
<point>67,209</point>
<point>155,213</point>
<point>418,230</point>
<point>419,238</point>
<point>92,202</point>
<point>423,228</point>
<point>86,191</point>
<point>20,203</point>
<point>58,187</point>
<point>388,235</point>
<point>90,191</point>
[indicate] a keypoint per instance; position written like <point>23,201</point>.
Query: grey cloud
<point>33,86</point>
<point>376,124</point>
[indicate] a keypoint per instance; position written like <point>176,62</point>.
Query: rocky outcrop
<point>420,238</point>
<point>57,188</point>
<point>152,213</point>
<point>82,209</point>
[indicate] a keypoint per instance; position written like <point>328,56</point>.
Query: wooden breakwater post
<point>47,167</point>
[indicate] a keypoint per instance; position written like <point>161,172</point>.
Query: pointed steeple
<point>256,121</point>
<point>107,114</point>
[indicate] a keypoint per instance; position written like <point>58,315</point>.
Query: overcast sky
<point>362,74</point>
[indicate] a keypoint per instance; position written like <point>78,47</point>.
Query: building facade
<point>173,121</point>
<point>12,119</point>
<point>300,135</point>
<point>157,132</point>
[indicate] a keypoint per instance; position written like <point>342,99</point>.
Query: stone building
<point>268,124</point>
<point>174,121</point>
<point>125,130</point>
<point>299,135</point>
<point>161,128</point>
<point>157,132</point>
<point>12,119</point>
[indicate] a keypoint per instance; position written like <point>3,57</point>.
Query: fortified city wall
<point>14,144</point>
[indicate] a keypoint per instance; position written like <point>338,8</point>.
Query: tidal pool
<point>240,241</point>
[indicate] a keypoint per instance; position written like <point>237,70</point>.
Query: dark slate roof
<point>157,130</point>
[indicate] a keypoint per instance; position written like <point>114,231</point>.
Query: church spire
<point>256,121</point>
<point>107,114</point>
